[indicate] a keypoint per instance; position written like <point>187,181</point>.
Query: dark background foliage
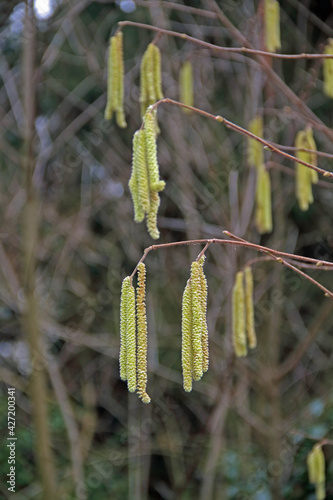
<point>240,433</point>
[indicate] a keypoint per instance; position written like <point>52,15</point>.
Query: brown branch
<point>243,131</point>
<point>274,254</point>
<point>217,48</point>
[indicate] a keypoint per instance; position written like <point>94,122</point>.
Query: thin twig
<point>238,50</point>
<point>274,254</point>
<point>243,131</point>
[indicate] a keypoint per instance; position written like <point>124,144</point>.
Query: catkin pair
<point>305,176</point>
<point>272,25</point>
<point>115,86</point>
<point>150,78</point>
<point>195,351</point>
<point>186,85</point>
<point>243,331</point>
<point>328,69</point>
<point>316,470</point>
<point>145,182</point>
<point>255,149</point>
<point>133,335</point>
<point>264,221</point>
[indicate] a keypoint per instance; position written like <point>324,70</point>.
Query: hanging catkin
<point>316,470</point>
<point>197,321</point>
<point>255,149</point>
<point>152,215</point>
<point>139,156</point>
<point>131,340</point>
<point>186,85</point>
<point>187,354</point>
<point>115,85</point>
<point>204,294</point>
<point>250,330</point>
<point>264,220</point>
<point>123,327</point>
<point>272,25</point>
<point>328,69</point>
<point>238,316</point>
<point>305,176</point>
<point>142,334</point>
<point>155,183</point>
<point>150,78</point>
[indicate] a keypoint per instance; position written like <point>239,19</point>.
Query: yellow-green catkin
<point>311,144</point>
<point>186,85</point>
<point>152,215</point>
<point>197,321</point>
<point>187,354</point>
<point>264,221</point>
<point>272,25</point>
<point>131,340</point>
<point>316,470</point>
<point>150,78</point>
<point>157,68</point>
<point>250,330</point>
<point>305,176</point>
<point>142,334</point>
<point>204,296</point>
<point>238,316</point>
<point>115,86</point>
<point>137,158</point>
<point>155,183</point>
<point>255,149</point>
<point>328,69</point>
<point>123,327</point>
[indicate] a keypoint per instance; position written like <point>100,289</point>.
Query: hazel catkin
<point>272,25</point>
<point>328,69</point>
<point>115,84</point>
<point>238,316</point>
<point>316,470</point>
<point>250,330</point>
<point>141,334</point>
<point>187,354</point>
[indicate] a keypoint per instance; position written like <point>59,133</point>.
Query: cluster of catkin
<point>150,78</point>
<point>195,353</point>
<point>133,335</point>
<point>263,212</point>
<point>272,25</point>
<point>145,183</point>
<point>305,176</point>
<point>243,331</point>
<point>115,88</point>
<point>316,470</point>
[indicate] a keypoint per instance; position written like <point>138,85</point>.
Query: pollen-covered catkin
<point>197,321</point>
<point>187,354</point>
<point>131,340</point>
<point>120,114</point>
<point>142,334</point>
<point>115,85</point>
<point>123,327</point>
<point>264,221</point>
<point>238,316</point>
<point>255,149</point>
<point>155,183</point>
<point>150,78</point>
<point>152,215</point>
<point>112,80</point>
<point>272,25</point>
<point>328,69</point>
<point>142,173</point>
<point>157,72</point>
<point>250,330</point>
<point>186,85</point>
<point>316,470</point>
<point>204,295</point>
<point>137,158</point>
